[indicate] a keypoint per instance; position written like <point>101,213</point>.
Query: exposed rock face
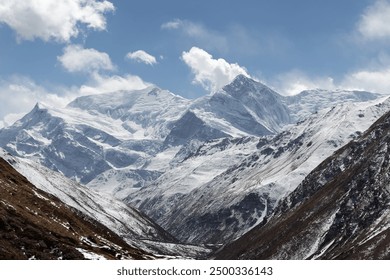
<point>37,225</point>
<point>136,229</point>
<point>340,211</point>
<point>221,189</point>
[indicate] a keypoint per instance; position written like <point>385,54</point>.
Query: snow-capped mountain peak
<point>245,108</point>
<point>242,85</point>
<point>124,102</point>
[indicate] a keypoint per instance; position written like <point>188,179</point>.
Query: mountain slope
<point>96,133</point>
<point>310,101</point>
<point>340,211</point>
<point>37,225</point>
<point>246,108</point>
<point>144,114</point>
<point>131,225</point>
<point>221,189</point>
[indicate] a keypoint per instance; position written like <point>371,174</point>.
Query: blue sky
<point>53,51</point>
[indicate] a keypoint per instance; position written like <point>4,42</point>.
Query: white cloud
<point>104,84</point>
<point>174,24</point>
<point>210,73</point>
<point>10,119</point>
<point>375,21</point>
<point>190,28</point>
<point>19,94</point>
<point>296,81</point>
<point>232,39</point>
<point>199,34</point>
<point>375,81</point>
<point>52,19</point>
<point>78,59</point>
<point>142,56</point>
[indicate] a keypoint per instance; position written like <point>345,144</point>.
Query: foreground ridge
<point>340,211</point>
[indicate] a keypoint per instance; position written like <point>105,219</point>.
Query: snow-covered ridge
<point>143,113</point>
<point>134,227</point>
<point>129,130</point>
<point>110,211</point>
<point>247,107</point>
<point>222,189</point>
<point>340,210</point>
<point>311,101</point>
<point>231,150</point>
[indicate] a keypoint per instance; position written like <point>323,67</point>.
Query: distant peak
<point>242,79</point>
<point>245,81</point>
<point>40,106</point>
<point>154,91</point>
<point>243,84</point>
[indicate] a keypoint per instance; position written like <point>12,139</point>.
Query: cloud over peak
<point>142,57</point>
<point>212,74</point>
<point>53,20</point>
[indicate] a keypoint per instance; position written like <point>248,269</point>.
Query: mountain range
<point>207,171</point>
